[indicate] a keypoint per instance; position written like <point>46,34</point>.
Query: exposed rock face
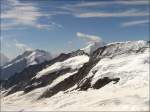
<point>74,79</point>
<point>84,83</point>
<point>109,52</point>
<point>45,80</point>
<point>104,81</point>
<point>25,80</point>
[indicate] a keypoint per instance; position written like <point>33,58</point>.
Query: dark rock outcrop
<point>104,81</point>
<point>24,81</point>
<point>74,79</point>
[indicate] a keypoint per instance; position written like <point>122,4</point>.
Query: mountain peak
<point>28,58</point>
<point>91,47</point>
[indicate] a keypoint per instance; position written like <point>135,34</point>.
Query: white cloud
<point>134,23</point>
<point>10,25</point>
<point>127,13</point>
<point>93,42</point>
<point>105,3</point>
<point>85,9</point>
<point>21,46</point>
<point>23,14</point>
<point>89,38</point>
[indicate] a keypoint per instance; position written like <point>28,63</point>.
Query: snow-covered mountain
<point>3,59</point>
<point>91,47</point>
<point>115,77</point>
<point>24,60</point>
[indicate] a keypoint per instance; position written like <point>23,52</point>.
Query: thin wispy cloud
<point>23,14</point>
<point>10,25</point>
<point>89,38</point>
<point>21,46</point>
<point>20,14</point>
<point>93,42</point>
<point>85,4</point>
<point>106,3</point>
<point>134,23</point>
<point>127,13</point>
<point>82,10</point>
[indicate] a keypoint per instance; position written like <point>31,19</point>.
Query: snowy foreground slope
<point>114,78</point>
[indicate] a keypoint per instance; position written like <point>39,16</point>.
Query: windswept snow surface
<point>131,93</point>
<point>74,63</point>
<point>133,67</point>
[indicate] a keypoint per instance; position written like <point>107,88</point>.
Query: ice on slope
<point>74,63</point>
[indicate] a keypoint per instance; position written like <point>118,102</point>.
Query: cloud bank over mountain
<point>93,42</point>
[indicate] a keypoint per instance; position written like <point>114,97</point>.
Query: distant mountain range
<point>113,75</point>
<point>28,58</point>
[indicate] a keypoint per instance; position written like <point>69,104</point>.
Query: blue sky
<point>52,25</point>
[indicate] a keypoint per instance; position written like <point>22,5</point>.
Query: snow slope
<point>74,63</point>
<point>128,61</point>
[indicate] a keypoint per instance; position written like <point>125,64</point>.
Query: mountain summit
<point>28,58</point>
